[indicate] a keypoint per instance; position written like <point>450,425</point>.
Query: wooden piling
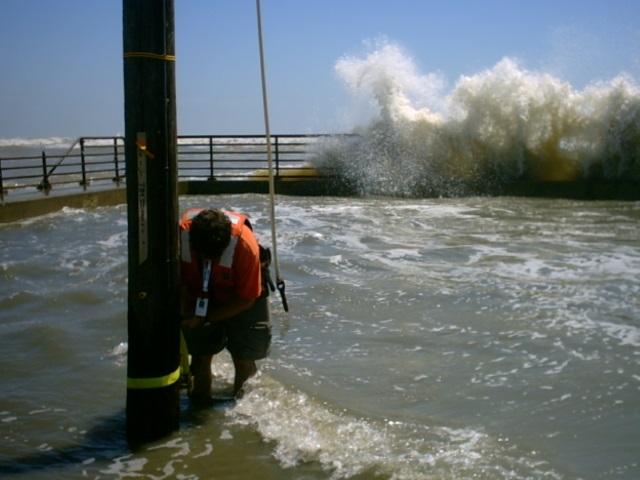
<point>153,368</point>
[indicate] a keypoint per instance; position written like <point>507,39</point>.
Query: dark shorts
<point>246,336</point>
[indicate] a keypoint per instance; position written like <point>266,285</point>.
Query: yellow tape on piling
<point>158,382</point>
<point>155,56</point>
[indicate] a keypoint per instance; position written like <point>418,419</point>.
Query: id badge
<point>201,307</point>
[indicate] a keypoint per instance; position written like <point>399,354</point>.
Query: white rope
<point>265,103</point>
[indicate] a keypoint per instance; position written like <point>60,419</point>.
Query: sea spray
<point>499,125</point>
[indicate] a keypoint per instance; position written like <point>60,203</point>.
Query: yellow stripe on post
<point>155,56</point>
<point>158,382</point>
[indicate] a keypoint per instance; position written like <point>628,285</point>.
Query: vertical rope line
<point>272,202</point>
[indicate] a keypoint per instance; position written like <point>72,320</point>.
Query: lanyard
<point>206,275</point>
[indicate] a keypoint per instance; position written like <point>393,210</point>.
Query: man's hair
<point>210,233</point>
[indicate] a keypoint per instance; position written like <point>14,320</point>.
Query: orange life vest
<point>222,271</point>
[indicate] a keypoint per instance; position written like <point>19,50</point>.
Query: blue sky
<point>62,59</point>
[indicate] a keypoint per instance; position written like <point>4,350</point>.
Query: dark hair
<point>210,233</point>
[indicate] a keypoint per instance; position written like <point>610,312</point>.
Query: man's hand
<point>193,322</point>
<point>221,312</point>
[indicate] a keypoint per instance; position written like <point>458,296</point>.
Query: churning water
<point>444,338</point>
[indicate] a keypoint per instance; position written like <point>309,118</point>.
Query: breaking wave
<point>502,124</point>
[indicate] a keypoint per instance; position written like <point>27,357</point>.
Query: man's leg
<point>201,371</point>
<point>203,343</point>
<point>245,369</point>
<point>248,340</point>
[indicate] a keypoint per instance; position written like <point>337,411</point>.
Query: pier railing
<point>99,162</point>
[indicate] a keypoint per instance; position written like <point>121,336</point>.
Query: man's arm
<point>218,313</point>
<point>229,309</point>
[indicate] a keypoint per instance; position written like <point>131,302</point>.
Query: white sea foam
<point>390,75</point>
<point>304,430</point>
<point>50,142</point>
<point>114,241</point>
<point>502,123</point>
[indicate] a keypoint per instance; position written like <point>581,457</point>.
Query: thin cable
<point>265,104</point>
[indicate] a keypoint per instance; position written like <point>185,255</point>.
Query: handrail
<point>200,158</point>
<point>73,145</point>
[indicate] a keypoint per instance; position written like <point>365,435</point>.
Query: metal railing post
<point>211,172</point>
<point>1,183</point>
<point>44,184</point>
<point>115,161</point>
<point>277,155</point>
<point>83,182</point>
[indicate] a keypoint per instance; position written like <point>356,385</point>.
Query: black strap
<point>280,284</point>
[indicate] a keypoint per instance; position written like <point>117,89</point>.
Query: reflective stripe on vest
<point>226,260</point>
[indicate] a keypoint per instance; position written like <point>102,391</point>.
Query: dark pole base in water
<point>152,413</point>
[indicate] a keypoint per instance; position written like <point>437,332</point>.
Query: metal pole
<point>1,183</point>
<point>83,166</point>
<point>45,186</point>
<point>116,168</point>
<point>153,359</point>
<point>277,156</point>
<point>211,172</point>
